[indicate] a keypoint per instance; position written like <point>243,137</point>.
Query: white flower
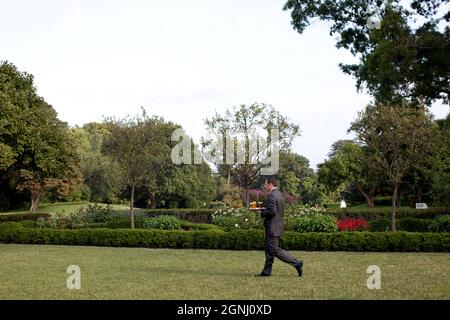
<point>246,220</point>
<point>236,225</point>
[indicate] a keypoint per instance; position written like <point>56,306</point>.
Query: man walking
<point>273,216</point>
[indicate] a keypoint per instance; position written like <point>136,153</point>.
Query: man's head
<point>271,183</point>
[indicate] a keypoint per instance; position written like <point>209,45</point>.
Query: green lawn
<point>66,207</point>
<point>39,272</point>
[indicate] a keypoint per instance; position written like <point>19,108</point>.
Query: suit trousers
<point>272,249</point>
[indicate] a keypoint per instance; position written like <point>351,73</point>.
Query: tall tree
<point>440,175</point>
<point>244,124</point>
<point>100,174</point>
<point>134,144</point>
<point>38,146</point>
<point>399,138</point>
<point>349,163</point>
<point>404,58</point>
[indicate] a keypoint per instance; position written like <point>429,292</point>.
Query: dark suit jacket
<point>274,214</point>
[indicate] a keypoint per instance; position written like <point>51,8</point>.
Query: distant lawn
<point>66,207</point>
<point>39,272</point>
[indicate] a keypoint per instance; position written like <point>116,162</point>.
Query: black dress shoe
<point>262,274</point>
<point>299,268</point>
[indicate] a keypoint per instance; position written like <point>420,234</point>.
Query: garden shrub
<point>28,223</point>
<point>125,222</point>
<point>352,224</point>
<point>413,224</point>
<point>189,226</point>
<point>96,213</point>
<point>232,219</point>
<point>403,224</point>
<point>315,223</point>
<point>333,205</point>
<point>192,215</point>
<point>163,223</point>
<point>380,213</point>
<point>23,216</point>
<point>11,225</point>
<point>440,224</point>
<point>380,225</point>
<point>295,211</point>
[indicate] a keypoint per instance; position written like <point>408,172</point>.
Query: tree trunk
<point>247,196</point>
<point>34,202</point>
<point>368,196</point>
<point>153,200</point>
<point>371,202</point>
<point>132,206</point>
<point>394,209</point>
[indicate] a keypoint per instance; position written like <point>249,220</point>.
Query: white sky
<point>183,60</point>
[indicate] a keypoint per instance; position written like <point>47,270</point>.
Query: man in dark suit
<point>273,216</point>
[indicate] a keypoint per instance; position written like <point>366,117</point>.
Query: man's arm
<point>271,208</point>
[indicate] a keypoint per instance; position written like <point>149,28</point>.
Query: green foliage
<point>7,156</point>
<point>232,219</point>
<point>28,223</point>
<point>350,163</point>
<point>246,119</point>
<point>163,223</point>
<point>295,211</point>
<point>10,225</point>
<point>236,240</point>
<point>22,217</point>
<point>396,136</point>
<point>403,224</point>
<point>192,215</point>
<point>189,226</point>
<point>407,58</point>
<point>49,222</point>
<point>33,140</point>
<point>334,205</point>
<point>96,213</point>
<point>377,213</point>
<point>441,224</point>
<point>230,194</point>
<point>440,175</point>
<point>228,222</point>
<point>413,224</point>
<point>298,179</point>
<point>124,223</point>
<point>101,175</point>
<point>85,193</point>
<point>315,223</point>
<point>217,205</point>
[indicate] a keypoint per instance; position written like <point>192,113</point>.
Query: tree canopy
<point>405,59</point>
<point>39,151</point>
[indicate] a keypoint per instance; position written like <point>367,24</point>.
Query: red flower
<point>352,224</point>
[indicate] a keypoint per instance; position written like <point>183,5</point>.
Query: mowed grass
<point>39,272</point>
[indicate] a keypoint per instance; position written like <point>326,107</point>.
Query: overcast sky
<point>183,60</point>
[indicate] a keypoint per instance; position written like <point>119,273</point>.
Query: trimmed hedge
<point>403,224</point>
<point>23,216</point>
<point>378,213</point>
<point>192,215</point>
<point>236,240</point>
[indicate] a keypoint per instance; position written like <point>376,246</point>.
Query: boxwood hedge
<point>379,213</point>
<point>12,232</point>
<point>32,216</point>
